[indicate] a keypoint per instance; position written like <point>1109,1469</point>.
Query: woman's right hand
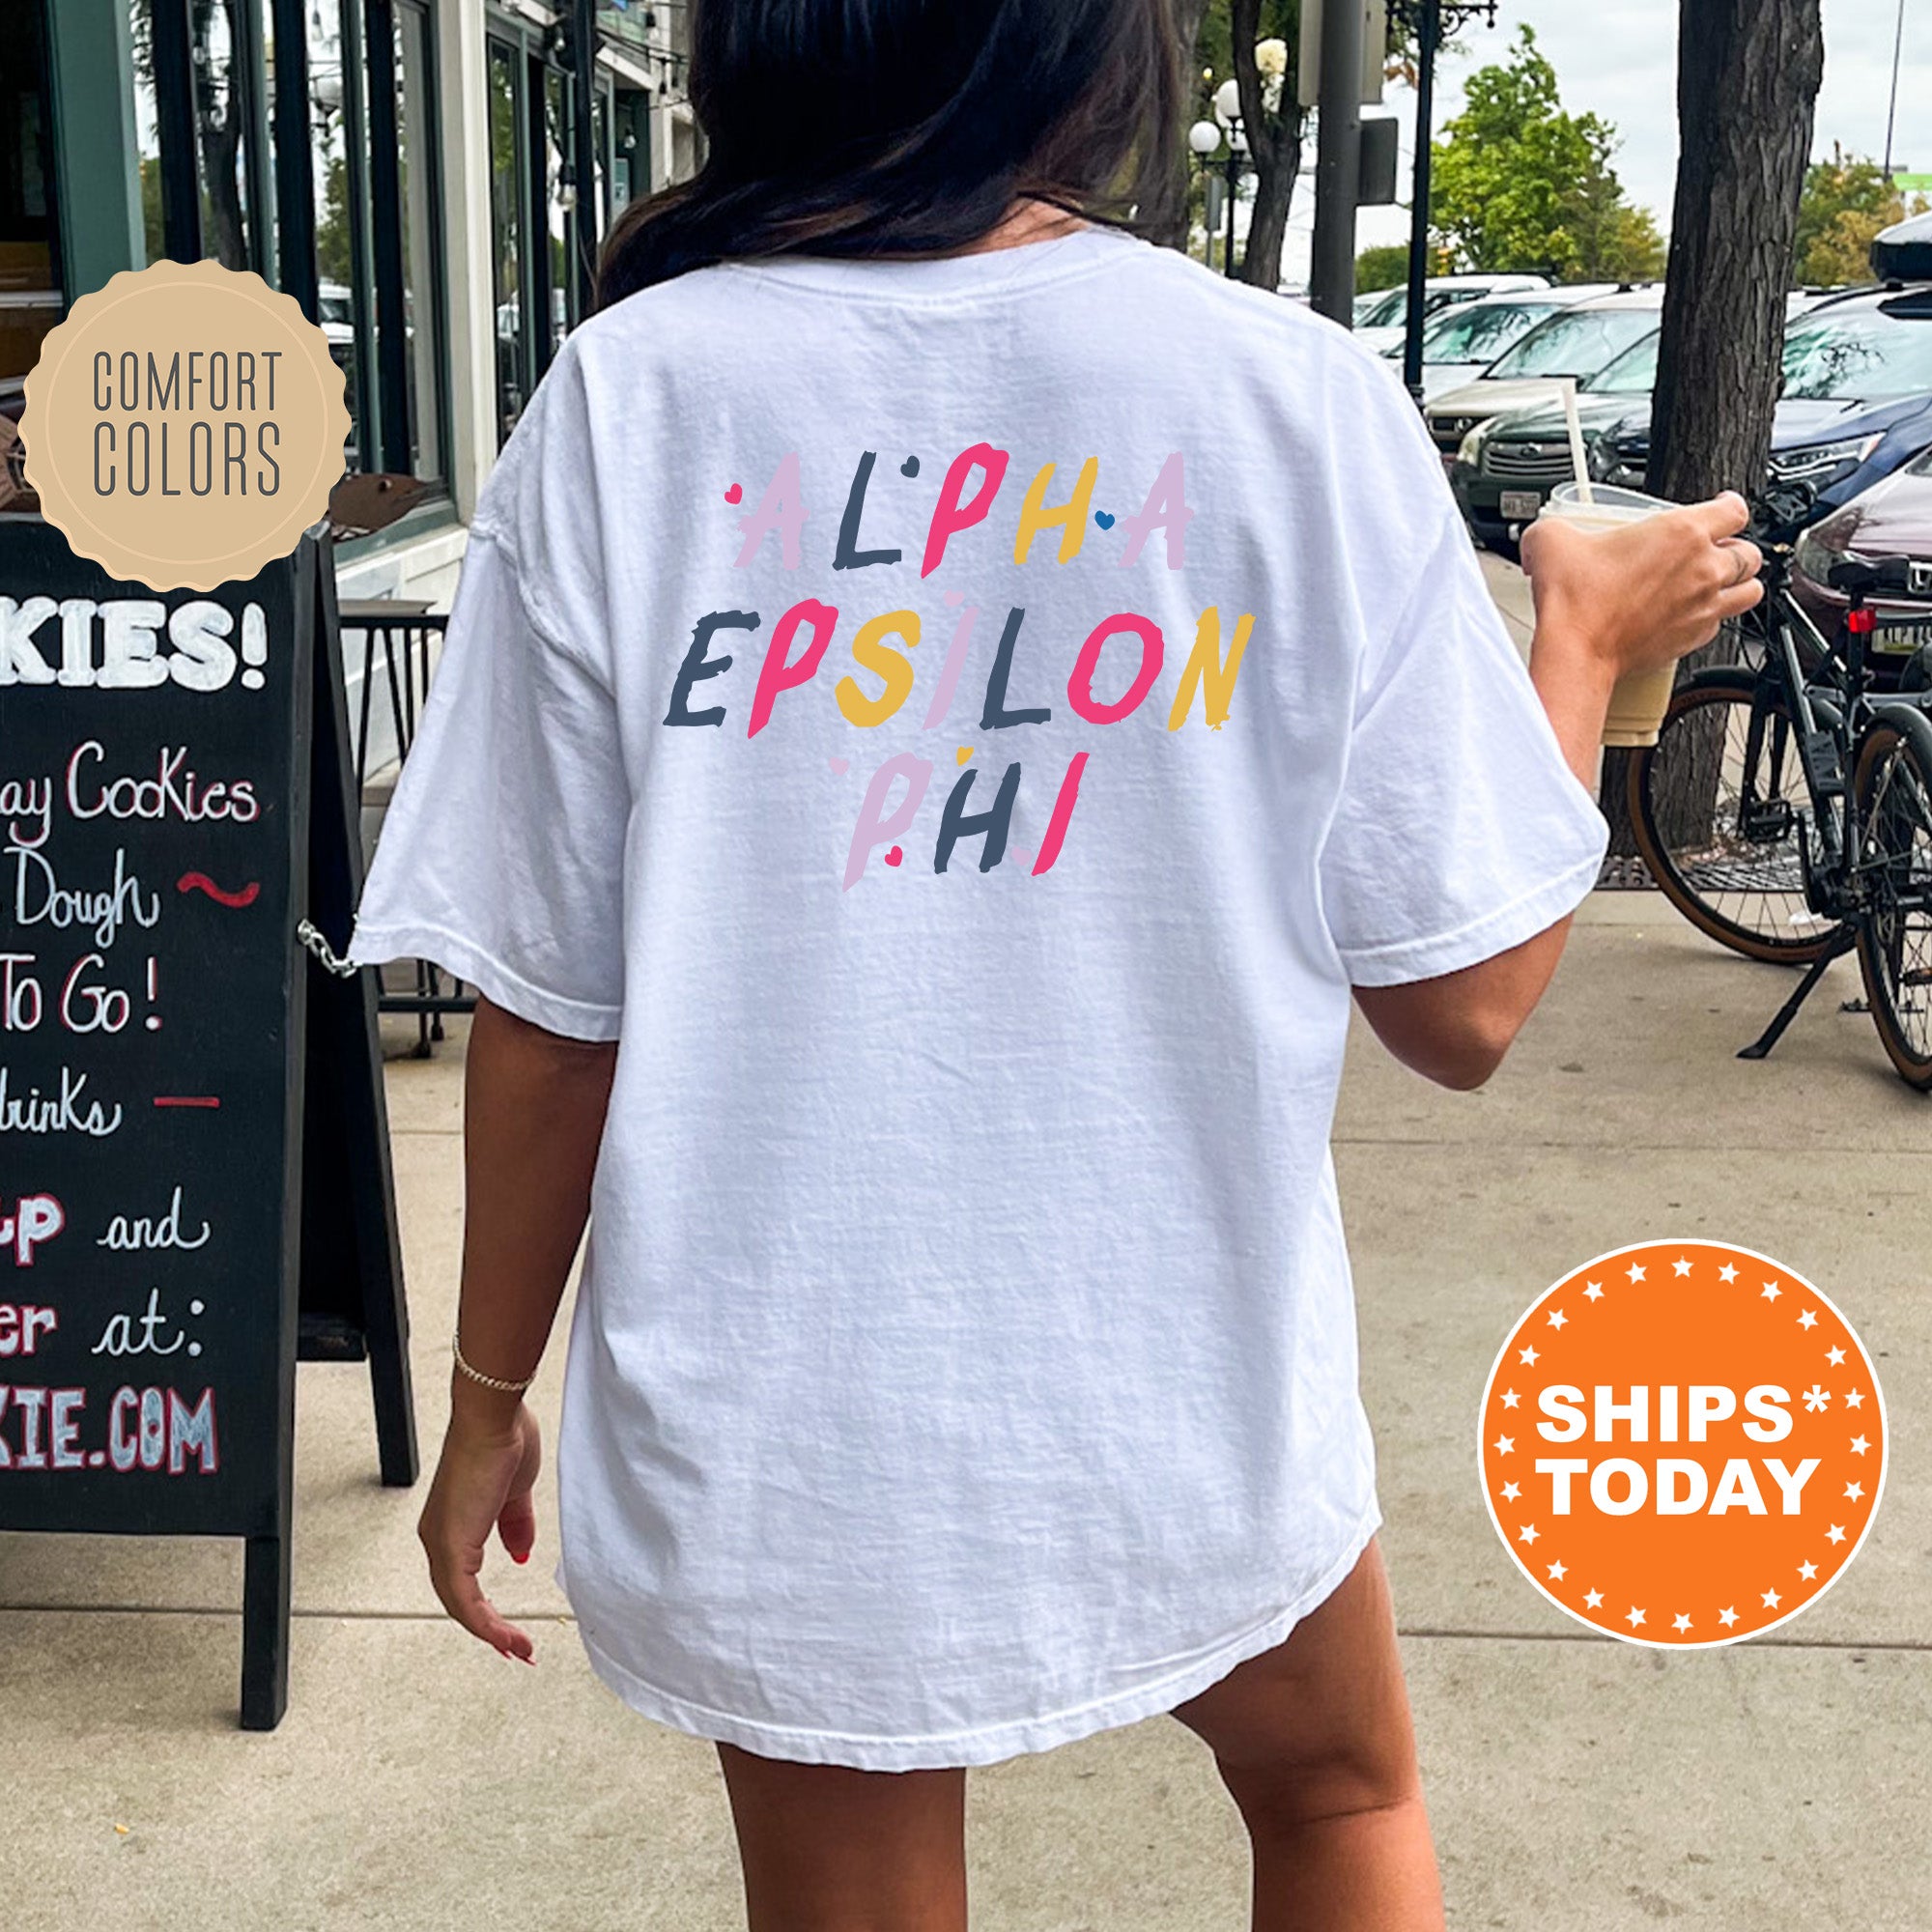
<point>1639,598</point>
<point>483,1482</point>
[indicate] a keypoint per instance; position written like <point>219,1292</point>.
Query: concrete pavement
<point>420,1783</point>
<point>1578,1785</point>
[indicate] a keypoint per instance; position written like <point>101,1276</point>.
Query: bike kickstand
<point>1760,1048</point>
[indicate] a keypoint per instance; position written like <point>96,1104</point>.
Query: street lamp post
<point>1234,194</point>
<point>1891,113</point>
<point>1204,138</point>
<point>1430,21</point>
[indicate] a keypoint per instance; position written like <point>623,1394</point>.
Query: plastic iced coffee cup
<point>1639,701</point>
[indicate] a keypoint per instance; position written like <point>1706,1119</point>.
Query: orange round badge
<point>1683,1443</point>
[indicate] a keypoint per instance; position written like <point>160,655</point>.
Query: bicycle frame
<point>1827,711</point>
<point>1825,733</point>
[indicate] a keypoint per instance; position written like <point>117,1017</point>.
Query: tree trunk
<point>1274,194</point>
<point>1748,82</point>
<point>1747,79</point>
<point>1175,231</point>
<point>219,137</point>
<point>1274,151</point>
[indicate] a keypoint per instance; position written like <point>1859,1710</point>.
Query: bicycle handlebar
<point>1781,513</point>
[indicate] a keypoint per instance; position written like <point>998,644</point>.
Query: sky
<point>1618,59</point>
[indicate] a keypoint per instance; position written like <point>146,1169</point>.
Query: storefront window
<point>30,297</point>
<point>560,201</point>
<point>336,238</point>
<point>222,86</point>
<point>147,135</point>
<point>533,207</point>
<point>200,84</point>
<point>376,227</point>
<point>415,147</point>
<point>506,231</point>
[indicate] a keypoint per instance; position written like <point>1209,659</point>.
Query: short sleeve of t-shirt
<point>502,856</point>
<point>1461,830</point>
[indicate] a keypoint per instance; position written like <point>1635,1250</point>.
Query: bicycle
<point>1787,813</point>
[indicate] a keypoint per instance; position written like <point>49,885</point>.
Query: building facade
<point>430,178</point>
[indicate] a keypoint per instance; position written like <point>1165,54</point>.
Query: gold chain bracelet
<point>477,1375</point>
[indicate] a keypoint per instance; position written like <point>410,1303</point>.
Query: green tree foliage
<point>1279,154</point>
<point>1382,267</point>
<point>333,260</point>
<point>1847,201</point>
<point>1521,188</point>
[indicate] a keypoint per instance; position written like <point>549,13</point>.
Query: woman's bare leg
<point>830,1849</point>
<point>1314,1740</point>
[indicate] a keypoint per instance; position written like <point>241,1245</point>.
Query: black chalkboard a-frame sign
<point>194,1169</point>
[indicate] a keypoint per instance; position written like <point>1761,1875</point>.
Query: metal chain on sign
<point>326,955</point>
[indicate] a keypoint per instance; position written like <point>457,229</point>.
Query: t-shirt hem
<point>990,1744</point>
<point>1399,962</point>
<point>500,984</point>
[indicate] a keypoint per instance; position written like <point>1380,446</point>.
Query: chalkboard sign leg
<point>388,1329</point>
<point>264,1633</point>
<point>345,1137</point>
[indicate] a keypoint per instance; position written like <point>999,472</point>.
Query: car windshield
<point>1860,356</point>
<point>1579,342</point>
<point>1480,334</point>
<point>1388,313</point>
<point>1393,311</point>
<point>1633,373</point>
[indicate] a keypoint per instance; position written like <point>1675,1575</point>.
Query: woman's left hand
<point>483,1482</point>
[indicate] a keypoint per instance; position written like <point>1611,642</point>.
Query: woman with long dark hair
<point>945,703</point>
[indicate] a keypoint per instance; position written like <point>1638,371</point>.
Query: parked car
<point>1903,252</point>
<point>1507,466</point>
<point>1802,301</point>
<point>1857,404</point>
<point>1825,433</point>
<point>1387,320</point>
<point>1459,343</point>
<point>1892,518</point>
<point>1576,342</point>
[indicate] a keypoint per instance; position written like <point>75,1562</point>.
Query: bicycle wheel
<point>1894,795</point>
<point>1717,807</point>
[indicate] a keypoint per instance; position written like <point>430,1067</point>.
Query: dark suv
<point>1857,404</point>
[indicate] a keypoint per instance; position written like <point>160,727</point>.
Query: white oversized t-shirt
<point>962,726</point>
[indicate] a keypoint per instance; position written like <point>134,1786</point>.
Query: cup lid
<point>1608,497</point>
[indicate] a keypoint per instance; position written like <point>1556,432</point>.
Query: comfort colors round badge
<point>185,425</point>
<point>1683,1444</point>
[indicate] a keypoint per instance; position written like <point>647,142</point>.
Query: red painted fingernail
<point>524,1558</point>
<point>531,1661</point>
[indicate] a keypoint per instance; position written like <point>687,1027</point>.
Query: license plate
<point>1895,640</point>
<point>1522,506</point>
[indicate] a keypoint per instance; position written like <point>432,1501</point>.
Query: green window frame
<point>392,336</point>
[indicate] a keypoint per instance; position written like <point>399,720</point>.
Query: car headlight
<point>1819,459</point>
<point>1814,557</point>
<point>1471,451</point>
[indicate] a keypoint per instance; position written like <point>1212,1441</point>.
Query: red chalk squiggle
<point>200,882</point>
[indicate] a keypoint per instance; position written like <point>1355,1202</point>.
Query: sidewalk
<point>420,1783</point>
<point>1578,1785</point>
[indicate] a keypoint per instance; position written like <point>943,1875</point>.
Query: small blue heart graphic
<point>1102,518</point>
<point>910,466</point>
